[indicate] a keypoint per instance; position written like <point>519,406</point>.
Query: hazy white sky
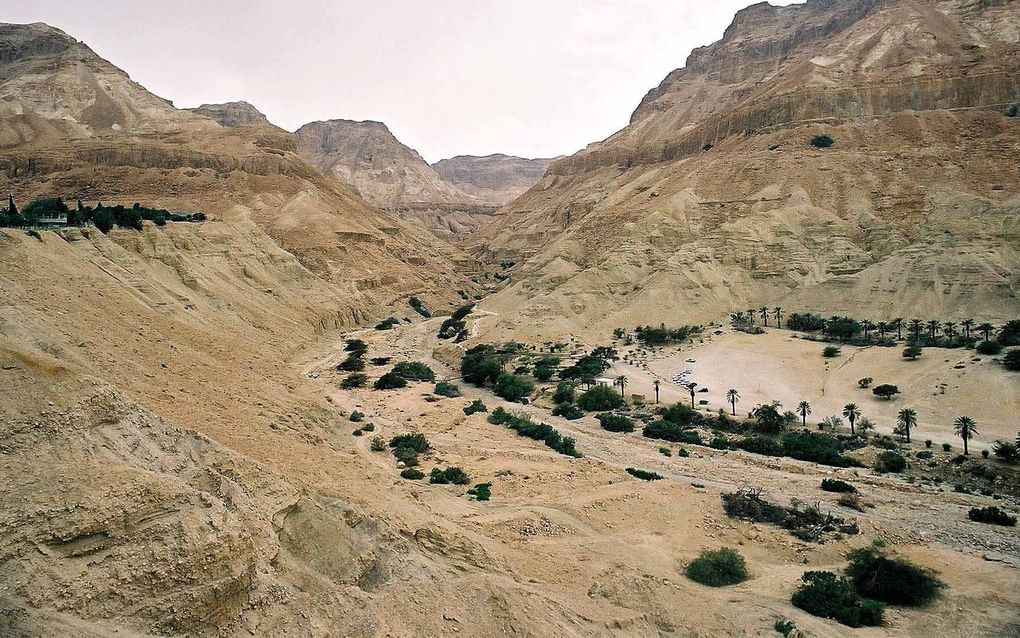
<point>526,77</point>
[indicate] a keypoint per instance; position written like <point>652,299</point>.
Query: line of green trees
<point>102,217</point>
<point>917,332</point>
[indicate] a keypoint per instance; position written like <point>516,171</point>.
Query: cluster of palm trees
<point>747,318</point>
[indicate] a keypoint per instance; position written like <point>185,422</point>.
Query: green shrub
<point>672,432</point>
<point>680,413</point>
<point>481,365</point>
<point>826,595</point>
<point>357,432</point>
<point>524,426</point>
<point>564,393</point>
<point>816,447</point>
<point>760,445</point>
<point>355,380</point>
<point>412,474</point>
<point>890,461</point>
<point>946,447</point>
<point>683,453</point>
<point>454,475</point>
<point>390,381</point>
<point>717,569</point>
<point>447,389</point>
<point>545,368</point>
<point>481,491</point>
<point>784,627</point>
<point>600,399</point>
<point>644,475</point>
<point>414,371</point>
<point>665,451</point>
<point>474,407</point>
<point>893,581</point>
<point>1008,452</point>
<point>415,441</point>
<point>512,387</point>
<point>988,347</point>
<point>719,443</point>
<point>991,514</point>
<point>499,416</point>
<point>356,347</point>
<point>568,411</point>
<point>924,455</point>
<point>615,422</point>
<point>1012,360</point>
<point>805,522</point>
<point>912,352</point>
<point>357,416</point>
<point>353,363</point>
<point>822,141</point>
<point>419,307</point>
<point>836,485</point>
<point>378,444</point>
<point>387,323</point>
<point>886,391</point>
<point>380,361</point>
<point>830,351</point>
<point>368,427</point>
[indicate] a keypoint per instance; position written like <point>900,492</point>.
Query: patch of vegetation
<point>992,515</point>
<point>355,380</point>
<point>419,307</point>
<point>414,371</point>
<point>412,474</point>
<point>387,323</point>
<point>380,361</point>
<point>601,398</point>
<point>718,568</point>
<point>886,391</point>
<point>568,411</point>
<point>662,335</point>
<point>912,352</point>
<point>481,491</point>
<point>644,475</point>
<point>615,422</point>
<point>760,445</point>
<point>564,393</point>
<point>672,432</point>
<point>353,363</point>
<point>836,485</point>
<point>784,627</point>
<point>451,475</point>
<point>1008,452</point>
<point>806,523</point>
<point>893,581</point>
<point>826,595</point>
<point>378,444</point>
<point>822,141</point>
<point>683,453</point>
<point>817,448</point>
<point>357,416</point>
<point>524,426</point>
<point>356,347</point>
<point>454,325</point>
<point>665,451</point>
<point>475,407</point>
<point>988,347</point>
<point>830,352</point>
<point>446,389</point>
<point>890,461</point>
<point>482,364</point>
<point>390,381</point>
<point>513,387</point>
<point>1012,360</point>
<point>590,365</point>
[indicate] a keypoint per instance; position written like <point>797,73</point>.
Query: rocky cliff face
<point>232,114</point>
<point>496,179</point>
<point>72,124</point>
<point>714,198</point>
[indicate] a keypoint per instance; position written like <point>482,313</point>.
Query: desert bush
<point>991,514</point>
<point>353,363</point>
<point>390,381</point>
<point>851,500</point>
<point>387,323</point>
<point>481,364</point>
<point>414,371</point>
<point>719,443</point>
<point>380,361</point>
<point>368,427</point>
<point>446,389</point>
<point>355,380</point>
<point>672,432</point>
<point>988,347</point>
<point>481,491</point>
<point>826,595</point>
<point>454,475</point>
<point>680,413</point>
<point>474,407</point>
<point>1008,452</point>
<point>865,382</point>
<point>928,443</point>
<point>412,473</point>
<point>512,387</point>
<point>357,432</point>
<point>946,447</point>
<point>378,444</point>
<point>769,419</point>
<point>717,568</point>
<point>890,461</point>
<point>644,475</point>
<point>886,391</point>
<point>822,141</point>
<point>568,411</point>
<point>924,455</point>
<point>356,346</point>
<point>419,307</point>
<point>564,393</point>
<point>665,451</point>
<point>357,416</point>
<point>784,627</point>
<point>912,352</point>
<point>836,485</point>
<point>1012,359</point>
<point>893,581</point>
<point>524,426</point>
<point>816,447</point>
<point>760,445</point>
<point>499,416</point>
<point>599,399</point>
<point>830,351</point>
<point>805,522</point>
<point>615,423</point>
<point>683,453</point>
<point>984,454</point>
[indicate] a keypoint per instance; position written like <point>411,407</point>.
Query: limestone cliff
<point>497,179</point>
<point>714,198</point>
<point>232,113</point>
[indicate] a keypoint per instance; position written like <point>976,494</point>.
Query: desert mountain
<point>74,125</point>
<point>496,179</point>
<point>721,193</point>
<point>232,113</point>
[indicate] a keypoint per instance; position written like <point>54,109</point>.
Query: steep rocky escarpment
<point>232,113</point>
<point>714,197</point>
<point>497,178</point>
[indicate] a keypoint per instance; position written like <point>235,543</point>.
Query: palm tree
<point>933,327</point>
<point>965,427</point>
<point>907,418</point>
<point>851,412</point>
<point>968,325</point>
<point>867,325</point>
<point>732,396</point>
<point>779,316</point>
<point>750,316</point>
<point>622,382</point>
<point>882,328</point>
<point>655,384</point>
<point>915,325</point>
<point>986,329</point>
<point>764,315</point>
<point>804,409</point>
<point>950,328</point>
<point>897,325</point>
<point>691,388</point>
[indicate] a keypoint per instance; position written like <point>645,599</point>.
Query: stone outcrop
<point>714,198</point>
<point>496,179</point>
<point>233,114</point>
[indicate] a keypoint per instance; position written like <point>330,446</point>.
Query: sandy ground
<point>779,366</point>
